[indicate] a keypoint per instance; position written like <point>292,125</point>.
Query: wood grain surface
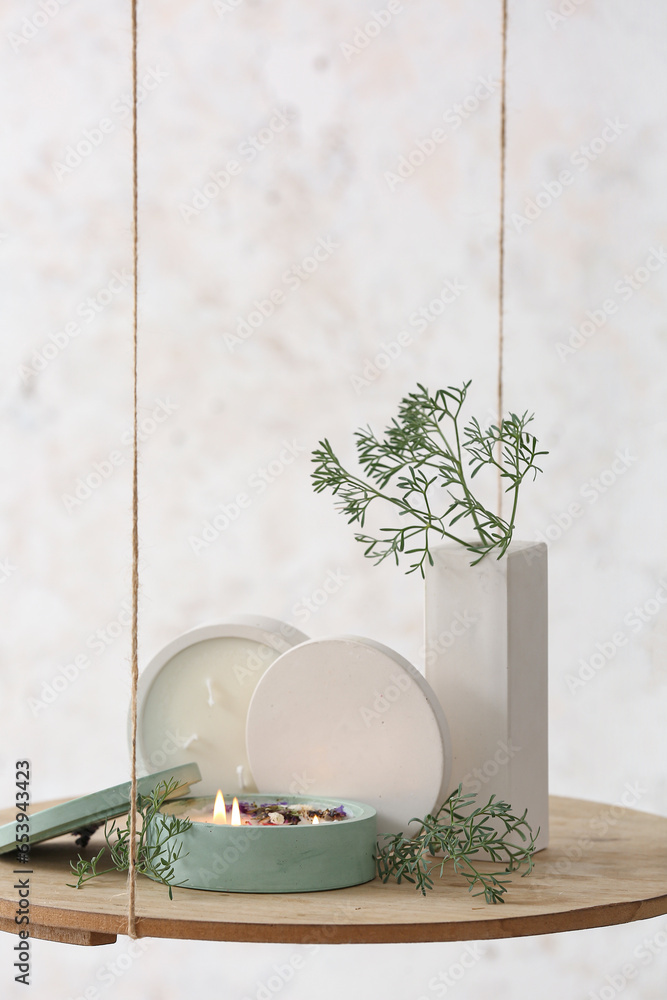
<point>605,865</point>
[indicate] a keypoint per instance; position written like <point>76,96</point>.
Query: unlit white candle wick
<point>211,699</point>
<point>190,739</point>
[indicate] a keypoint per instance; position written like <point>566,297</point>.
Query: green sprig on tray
<point>154,858</point>
<point>423,448</point>
<point>459,833</point>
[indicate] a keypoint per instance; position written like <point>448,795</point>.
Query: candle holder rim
<point>363,811</point>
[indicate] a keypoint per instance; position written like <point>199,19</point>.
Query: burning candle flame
<point>220,809</point>
<point>236,813</point>
<point>315,819</point>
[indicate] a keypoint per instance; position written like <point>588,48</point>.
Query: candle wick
<point>189,740</point>
<point>211,699</point>
<point>240,777</point>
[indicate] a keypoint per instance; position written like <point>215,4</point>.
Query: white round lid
<point>194,694</point>
<point>349,717</point>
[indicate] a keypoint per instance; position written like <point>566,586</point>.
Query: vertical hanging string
<point>132,874</point>
<point>501,239</point>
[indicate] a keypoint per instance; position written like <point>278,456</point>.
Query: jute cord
<point>134,658</point>
<point>501,240</point>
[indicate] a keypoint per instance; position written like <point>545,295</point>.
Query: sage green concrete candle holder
<point>304,857</point>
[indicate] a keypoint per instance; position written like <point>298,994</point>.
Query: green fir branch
<point>155,858</point>
<point>459,833</point>
<point>425,448</point>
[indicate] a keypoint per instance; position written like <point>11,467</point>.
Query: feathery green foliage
<point>155,857</point>
<point>424,448</point>
<point>459,833</point>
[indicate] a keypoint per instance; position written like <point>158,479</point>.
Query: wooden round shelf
<point>605,865</point>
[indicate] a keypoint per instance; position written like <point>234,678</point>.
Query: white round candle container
<point>300,858</point>
<point>351,717</point>
<point>193,698</point>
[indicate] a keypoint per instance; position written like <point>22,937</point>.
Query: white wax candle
<point>194,697</point>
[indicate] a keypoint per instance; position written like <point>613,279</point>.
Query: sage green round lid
<point>90,810</point>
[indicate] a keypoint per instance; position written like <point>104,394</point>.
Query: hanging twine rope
<point>134,659</point>
<point>501,239</point>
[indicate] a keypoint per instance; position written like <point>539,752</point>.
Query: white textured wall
<point>217,78</point>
